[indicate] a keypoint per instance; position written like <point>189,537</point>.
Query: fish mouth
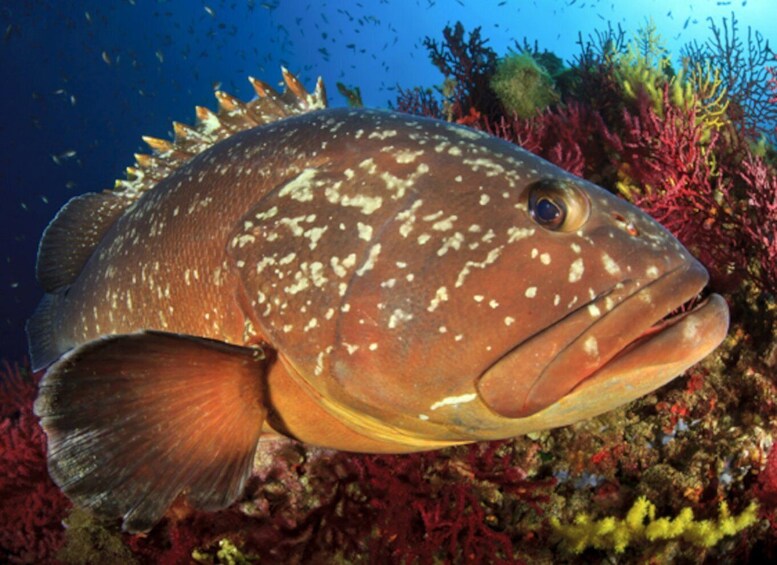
<point>622,344</point>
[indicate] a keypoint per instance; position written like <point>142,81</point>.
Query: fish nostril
<point>625,224</point>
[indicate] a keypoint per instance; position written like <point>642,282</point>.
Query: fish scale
<point>358,279</point>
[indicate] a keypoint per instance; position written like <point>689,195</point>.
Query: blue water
<point>82,81</point>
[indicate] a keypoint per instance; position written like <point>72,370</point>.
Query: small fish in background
<point>10,29</point>
<point>64,156</point>
<point>356,279</point>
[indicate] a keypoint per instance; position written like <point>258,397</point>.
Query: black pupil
<point>546,211</point>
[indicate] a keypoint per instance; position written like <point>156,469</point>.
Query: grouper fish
<point>363,280</point>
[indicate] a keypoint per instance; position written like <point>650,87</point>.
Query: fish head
<point>622,322</point>
<point>489,294</point>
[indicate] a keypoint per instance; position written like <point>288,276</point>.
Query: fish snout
<point>627,334</point>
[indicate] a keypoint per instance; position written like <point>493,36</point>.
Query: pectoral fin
<point>135,420</point>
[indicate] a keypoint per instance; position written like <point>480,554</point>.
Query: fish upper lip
<point>592,336</point>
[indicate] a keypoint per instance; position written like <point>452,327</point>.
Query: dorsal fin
<point>211,127</point>
<point>72,235</point>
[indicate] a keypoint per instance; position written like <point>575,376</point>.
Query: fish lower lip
<point>664,351</point>
<point>664,324</point>
<point>612,335</point>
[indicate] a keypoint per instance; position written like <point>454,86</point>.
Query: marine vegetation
<point>686,473</point>
<point>617,534</point>
<point>522,85</point>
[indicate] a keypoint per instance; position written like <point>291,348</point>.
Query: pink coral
<point>32,506</point>
<point>670,175</point>
<point>758,214</point>
<point>706,187</point>
<point>561,134</point>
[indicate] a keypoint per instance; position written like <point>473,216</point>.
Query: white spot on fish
<point>365,231</point>
<point>242,240</point>
<point>691,329</point>
<point>272,212</point>
<point>398,316</point>
<point>440,296</point>
<point>301,187</point>
<point>452,242</point>
<point>591,347</point>
<point>340,267</point>
<point>454,400</point>
<point>517,234</point>
<point>576,270</point>
<point>382,134</point>
<point>407,156</point>
<point>531,292</point>
<point>370,262</point>
<point>610,265</point>
<point>492,256</point>
<point>444,225</point>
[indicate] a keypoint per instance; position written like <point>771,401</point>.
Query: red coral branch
<point>419,101</point>
<point>31,506</point>
<point>668,161</point>
<point>470,64</point>
<point>563,135</point>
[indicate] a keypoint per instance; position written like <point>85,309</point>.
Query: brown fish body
<point>374,282</point>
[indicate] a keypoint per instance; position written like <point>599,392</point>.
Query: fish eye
<point>549,213</point>
<point>558,205</point>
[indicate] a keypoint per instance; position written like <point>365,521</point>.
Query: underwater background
<point>672,105</point>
